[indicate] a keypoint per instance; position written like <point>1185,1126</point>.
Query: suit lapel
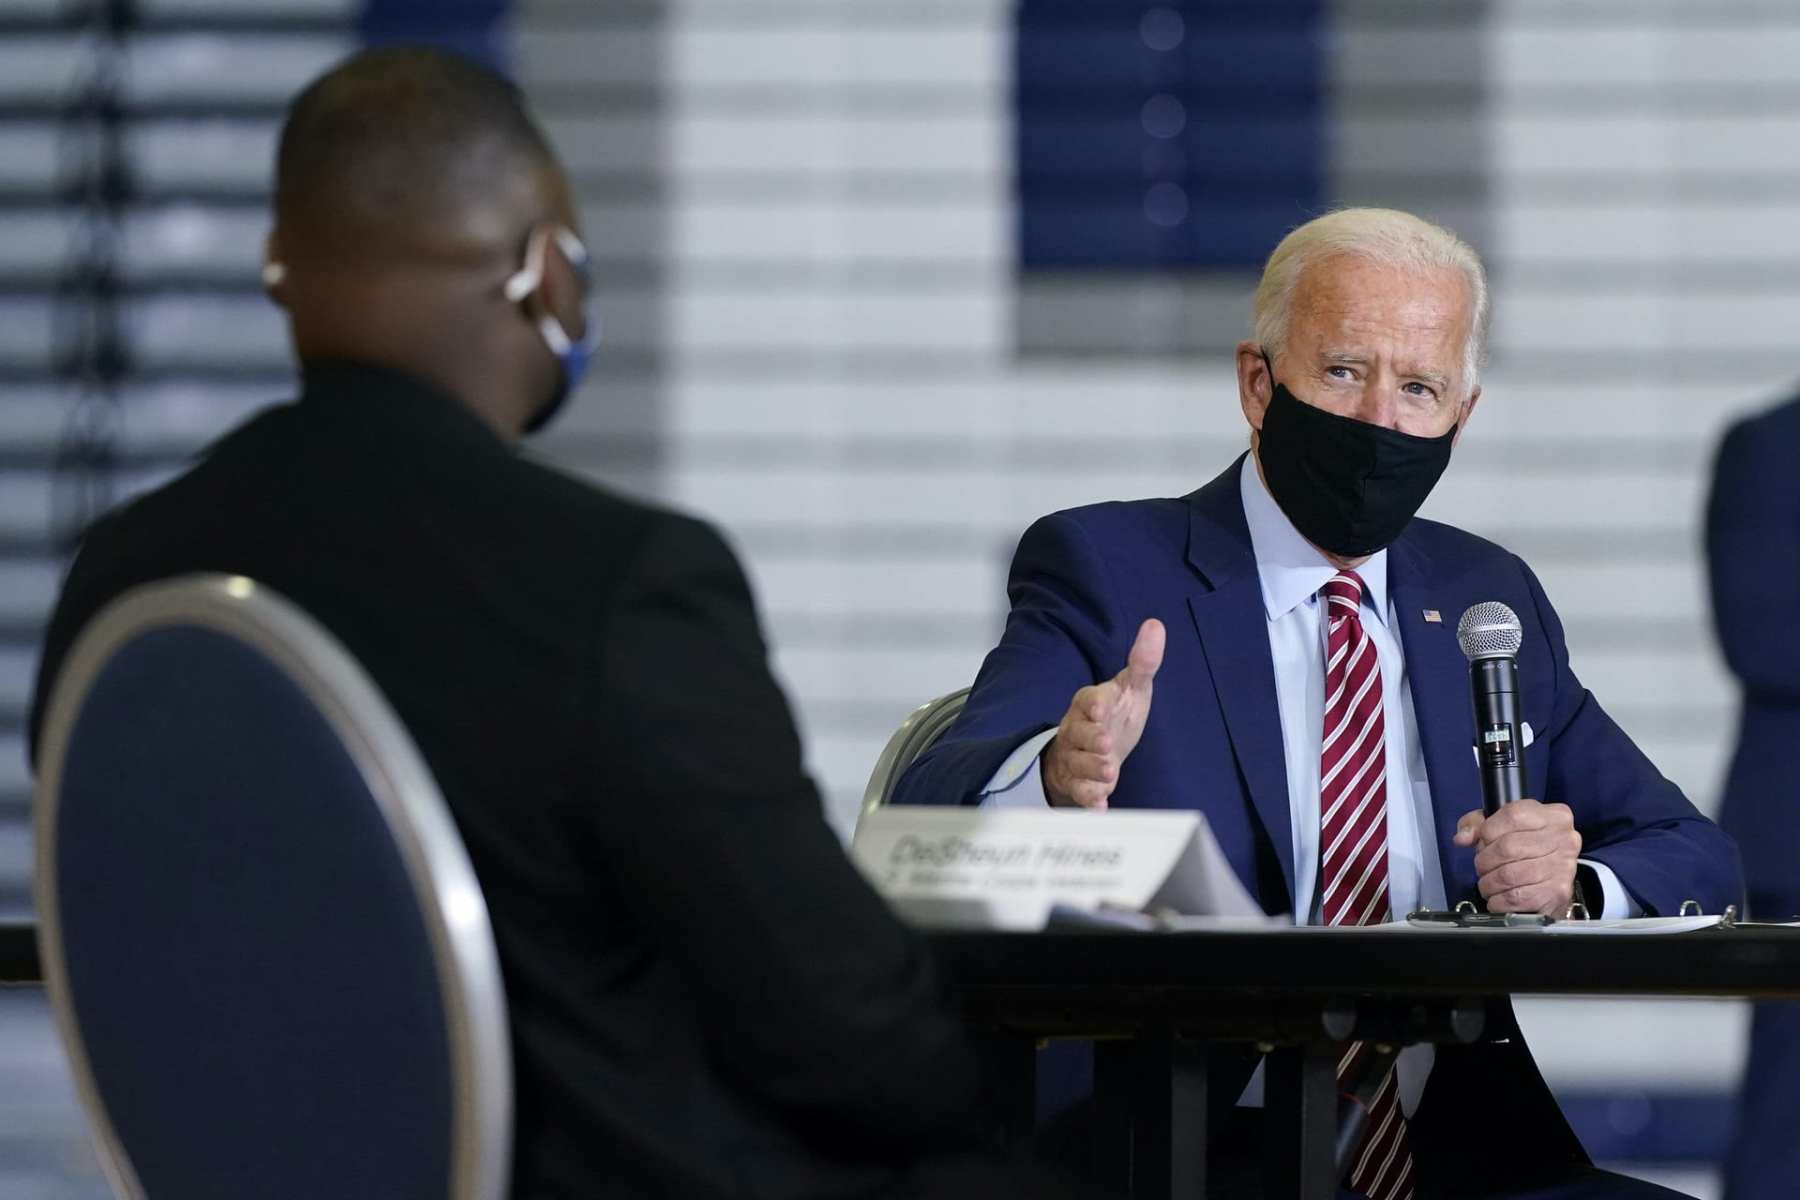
<point>1234,639</point>
<point>1438,676</point>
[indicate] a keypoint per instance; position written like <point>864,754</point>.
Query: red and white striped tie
<point>1353,851</point>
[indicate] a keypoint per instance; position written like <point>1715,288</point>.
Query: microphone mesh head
<point>1489,630</point>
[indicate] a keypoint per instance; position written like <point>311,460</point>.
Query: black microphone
<point>1490,636</point>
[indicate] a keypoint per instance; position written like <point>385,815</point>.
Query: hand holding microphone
<point>1526,852</point>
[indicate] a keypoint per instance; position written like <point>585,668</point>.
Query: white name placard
<point>1007,868</point>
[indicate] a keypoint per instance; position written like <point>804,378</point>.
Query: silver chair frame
<point>915,736</point>
<point>444,882</point>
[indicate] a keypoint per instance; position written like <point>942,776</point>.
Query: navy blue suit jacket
<point>1082,582</point>
<point>1753,547</point>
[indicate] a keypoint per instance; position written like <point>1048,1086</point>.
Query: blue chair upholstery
<point>268,953</point>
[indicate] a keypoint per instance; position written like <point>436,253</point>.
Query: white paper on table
<point>1635,925</point>
<point>1624,926</point>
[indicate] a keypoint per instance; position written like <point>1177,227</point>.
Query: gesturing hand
<point>1525,856</point>
<point>1081,764</point>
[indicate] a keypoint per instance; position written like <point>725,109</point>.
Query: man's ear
<point>1462,421</point>
<point>274,269</point>
<point>1256,386</point>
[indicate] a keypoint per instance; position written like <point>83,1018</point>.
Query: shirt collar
<point>1289,567</point>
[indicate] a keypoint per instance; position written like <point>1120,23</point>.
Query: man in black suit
<point>706,998</point>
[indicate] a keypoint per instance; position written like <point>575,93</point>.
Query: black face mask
<point>1348,486</point>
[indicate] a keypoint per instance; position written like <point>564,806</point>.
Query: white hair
<point>1382,235</point>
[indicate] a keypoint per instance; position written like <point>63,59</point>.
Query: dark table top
<point>1746,961</point>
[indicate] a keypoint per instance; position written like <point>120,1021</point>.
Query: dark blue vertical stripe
<point>1184,133</point>
<point>476,28</point>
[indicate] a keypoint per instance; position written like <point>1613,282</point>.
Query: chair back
<point>267,952</point>
<point>915,736</point>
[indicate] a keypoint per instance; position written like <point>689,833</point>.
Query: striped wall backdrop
<point>807,220</point>
<point>827,332</point>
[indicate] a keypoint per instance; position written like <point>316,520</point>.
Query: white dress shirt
<point>1292,571</point>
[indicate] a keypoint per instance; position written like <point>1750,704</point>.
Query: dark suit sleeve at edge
<point>811,993</point>
<point>1631,818</point>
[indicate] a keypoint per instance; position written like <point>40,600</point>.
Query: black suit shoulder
<point>339,508</point>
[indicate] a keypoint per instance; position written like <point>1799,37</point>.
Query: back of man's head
<point>395,147</point>
<point>409,186</point>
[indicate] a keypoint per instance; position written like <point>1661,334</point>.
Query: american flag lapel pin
<point>1434,617</point>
